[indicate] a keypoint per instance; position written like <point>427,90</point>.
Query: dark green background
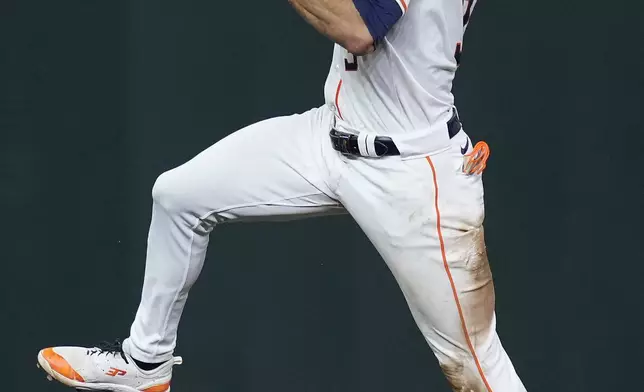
<point>97,98</point>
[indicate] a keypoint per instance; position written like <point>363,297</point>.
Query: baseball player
<point>387,147</point>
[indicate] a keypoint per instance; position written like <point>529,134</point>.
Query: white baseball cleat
<point>104,368</point>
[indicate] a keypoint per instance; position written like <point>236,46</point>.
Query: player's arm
<point>355,25</point>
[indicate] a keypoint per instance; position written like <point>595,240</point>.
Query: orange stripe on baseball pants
<point>451,280</point>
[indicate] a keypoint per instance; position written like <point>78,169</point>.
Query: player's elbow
<point>377,17</point>
<point>358,41</point>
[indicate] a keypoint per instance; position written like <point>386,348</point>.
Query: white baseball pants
<point>423,215</point>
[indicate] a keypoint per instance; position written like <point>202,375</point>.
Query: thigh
<point>275,168</point>
<point>425,218</point>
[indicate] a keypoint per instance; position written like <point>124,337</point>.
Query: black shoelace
<point>108,348</point>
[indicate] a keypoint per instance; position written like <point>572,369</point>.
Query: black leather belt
<point>347,143</point>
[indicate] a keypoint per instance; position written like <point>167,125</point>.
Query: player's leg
<point>425,218</point>
<point>272,169</point>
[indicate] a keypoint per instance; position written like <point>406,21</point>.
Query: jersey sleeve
<point>403,4</point>
<point>380,15</point>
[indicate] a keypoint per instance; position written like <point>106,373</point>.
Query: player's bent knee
<point>169,192</point>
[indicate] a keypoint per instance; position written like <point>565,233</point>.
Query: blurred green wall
<point>98,98</point>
